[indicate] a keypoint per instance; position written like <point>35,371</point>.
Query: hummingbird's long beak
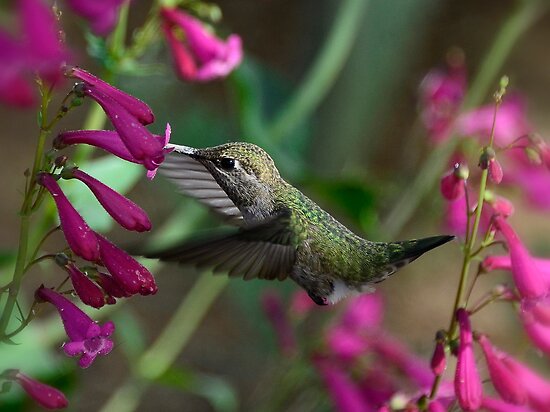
<point>189,151</point>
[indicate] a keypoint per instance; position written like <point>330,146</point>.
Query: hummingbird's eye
<point>227,163</point>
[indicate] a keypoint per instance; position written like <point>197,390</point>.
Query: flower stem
<point>324,70</point>
<point>506,38</point>
<point>154,362</point>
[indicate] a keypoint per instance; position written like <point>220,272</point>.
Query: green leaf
<point>216,390</point>
<point>112,171</point>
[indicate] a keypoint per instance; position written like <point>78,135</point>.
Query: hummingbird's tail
<point>398,254</point>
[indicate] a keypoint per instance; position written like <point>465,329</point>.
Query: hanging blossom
<point>36,50</point>
<point>102,15</point>
<point>45,395</point>
<point>441,97</point>
<point>198,55</point>
<point>86,338</point>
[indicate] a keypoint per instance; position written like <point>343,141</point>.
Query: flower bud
<point>468,387</point>
<point>452,184</point>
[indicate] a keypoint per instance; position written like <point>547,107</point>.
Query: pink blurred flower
<point>87,338</point>
<point>439,359</point>
<point>346,344</point>
<point>511,121</point>
<point>128,273</point>
<point>344,392</point>
<point>441,94</point>
<point>528,279</point>
<point>363,312</point>
<point>456,218</point>
<point>101,14</point>
<point>533,179</point>
<point>38,50</point>
<point>504,262</point>
<point>452,184</point>
<point>498,405</point>
<point>301,304</point>
<point>468,387</point>
<point>129,215</point>
<point>504,380</point>
<point>80,237</point>
<point>495,171</point>
<point>200,56</point>
<point>276,314</point>
<point>534,316</point>
<point>45,395</point>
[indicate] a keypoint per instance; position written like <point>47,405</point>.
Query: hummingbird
<point>280,233</point>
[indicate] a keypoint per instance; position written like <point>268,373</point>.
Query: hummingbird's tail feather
<point>399,254</point>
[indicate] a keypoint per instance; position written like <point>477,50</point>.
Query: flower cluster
<point>126,276</point>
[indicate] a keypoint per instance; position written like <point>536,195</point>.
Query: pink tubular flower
<point>107,140</point>
<point>129,215</point>
<point>495,171</point>
<point>527,277</point>
<point>301,304</point>
<point>275,312</point>
<point>456,217</point>
<point>497,405</point>
<point>468,387</point>
<point>441,94</point>
<point>128,273</point>
<point>201,56</point>
<point>346,344</point>
<point>44,395</point>
<point>363,312</point>
<point>452,183</point>
<point>101,14</point>
<point>80,237</point>
<point>87,338</point>
<point>136,107</point>
<point>141,143</point>
<point>88,292</point>
<point>111,288</point>
<point>504,381</point>
<point>343,391</point>
<point>37,51</point>
<point>439,360</point>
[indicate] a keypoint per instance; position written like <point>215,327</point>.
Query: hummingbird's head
<point>245,172</point>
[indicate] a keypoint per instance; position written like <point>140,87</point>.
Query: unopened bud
<point>62,259</point>
<point>487,155</point>
<point>452,184</point>
<point>79,89</point>
<point>60,161</point>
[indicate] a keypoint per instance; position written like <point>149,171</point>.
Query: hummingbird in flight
<point>281,232</point>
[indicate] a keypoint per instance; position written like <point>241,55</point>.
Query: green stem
<point>323,72</point>
<point>161,354</point>
<point>506,38</point>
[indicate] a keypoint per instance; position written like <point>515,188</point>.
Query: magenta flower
<point>45,395</point>
<point>363,312</point>
<point>128,273</point>
<point>527,277</point>
<point>111,288</point>
<point>275,312</point>
<point>468,387</point>
<point>456,217</point>
<point>80,237</point>
<point>452,184</point>
<point>511,121</point>
<point>439,360</point>
<point>441,94</point>
<point>533,179</point>
<point>495,171</point>
<point>101,14</point>
<point>37,51</point>
<point>107,140</point>
<point>129,215</point>
<point>497,405</point>
<point>87,338</point>
<point>201,56</point>
<point>345,394</point>
<point>346,344</point>
<point>534,316</point>
<point>536,387</point>
<point>504,262</point>
<point>41,39</point>
<point>88,292</point>
<point>504,380</point>
<point>136,107</point>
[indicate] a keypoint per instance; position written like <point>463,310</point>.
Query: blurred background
<point>355,154</point>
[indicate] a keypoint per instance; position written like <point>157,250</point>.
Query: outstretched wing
<point>193,179</point>
<point>266,251</point>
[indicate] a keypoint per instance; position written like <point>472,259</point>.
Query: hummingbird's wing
<point>265,251</point>
<point>193,179</point>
